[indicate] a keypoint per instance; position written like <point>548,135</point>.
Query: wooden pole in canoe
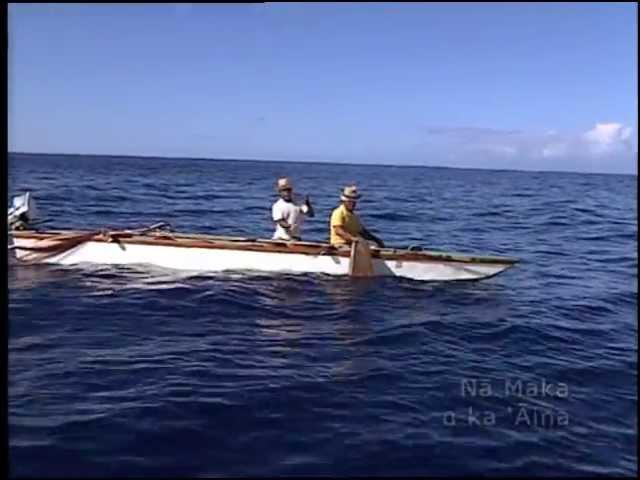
<point>360,264</point>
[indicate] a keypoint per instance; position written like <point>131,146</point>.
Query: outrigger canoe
<point>209,253</point>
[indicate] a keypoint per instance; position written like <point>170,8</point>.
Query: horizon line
<point>319,162</point>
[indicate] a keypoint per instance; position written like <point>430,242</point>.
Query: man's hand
<point>284,224</point>
<point>370,236</point>
<point>307,202</point>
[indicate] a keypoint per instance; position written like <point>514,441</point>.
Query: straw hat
<point>284,183</point>
<point>350,193</point>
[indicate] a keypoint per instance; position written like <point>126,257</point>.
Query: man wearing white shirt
<point>288,216</point>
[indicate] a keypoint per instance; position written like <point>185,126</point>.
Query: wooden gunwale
<point>259,245</point>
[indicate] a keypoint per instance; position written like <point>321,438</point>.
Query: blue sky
<point>523,86</point>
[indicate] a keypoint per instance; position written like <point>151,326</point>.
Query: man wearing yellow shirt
<point>345,225</point>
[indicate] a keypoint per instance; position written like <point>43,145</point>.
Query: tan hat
<point>350,193</point>
<point>284,183</point>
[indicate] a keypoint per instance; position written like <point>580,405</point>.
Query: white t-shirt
<point>292,214</point>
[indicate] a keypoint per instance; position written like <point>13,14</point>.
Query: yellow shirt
<point>345,219</point>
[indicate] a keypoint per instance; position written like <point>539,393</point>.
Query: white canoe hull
<point>212,259</point>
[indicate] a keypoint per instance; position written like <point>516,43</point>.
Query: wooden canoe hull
<point>215,254</point>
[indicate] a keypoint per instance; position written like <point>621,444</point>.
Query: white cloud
<point>554,150</point>
<point>603,146</point>
<point>608,133</point>
<point>608,137</point>
<point>503,150</point>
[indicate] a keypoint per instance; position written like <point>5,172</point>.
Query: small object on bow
<point>22,212</point>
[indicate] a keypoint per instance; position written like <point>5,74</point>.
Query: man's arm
<point>283,223</point>
<point>370,236</point>
<point>344,234</point>
<point>310,213</point>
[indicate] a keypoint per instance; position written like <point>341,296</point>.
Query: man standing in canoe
<point>286,214</point>
<point>345,225</point>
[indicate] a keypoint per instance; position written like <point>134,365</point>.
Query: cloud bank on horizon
<point>608,146</point>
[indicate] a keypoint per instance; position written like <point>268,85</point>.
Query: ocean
<point>122,371</point>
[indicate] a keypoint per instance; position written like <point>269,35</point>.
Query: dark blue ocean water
<point>134,371</point>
